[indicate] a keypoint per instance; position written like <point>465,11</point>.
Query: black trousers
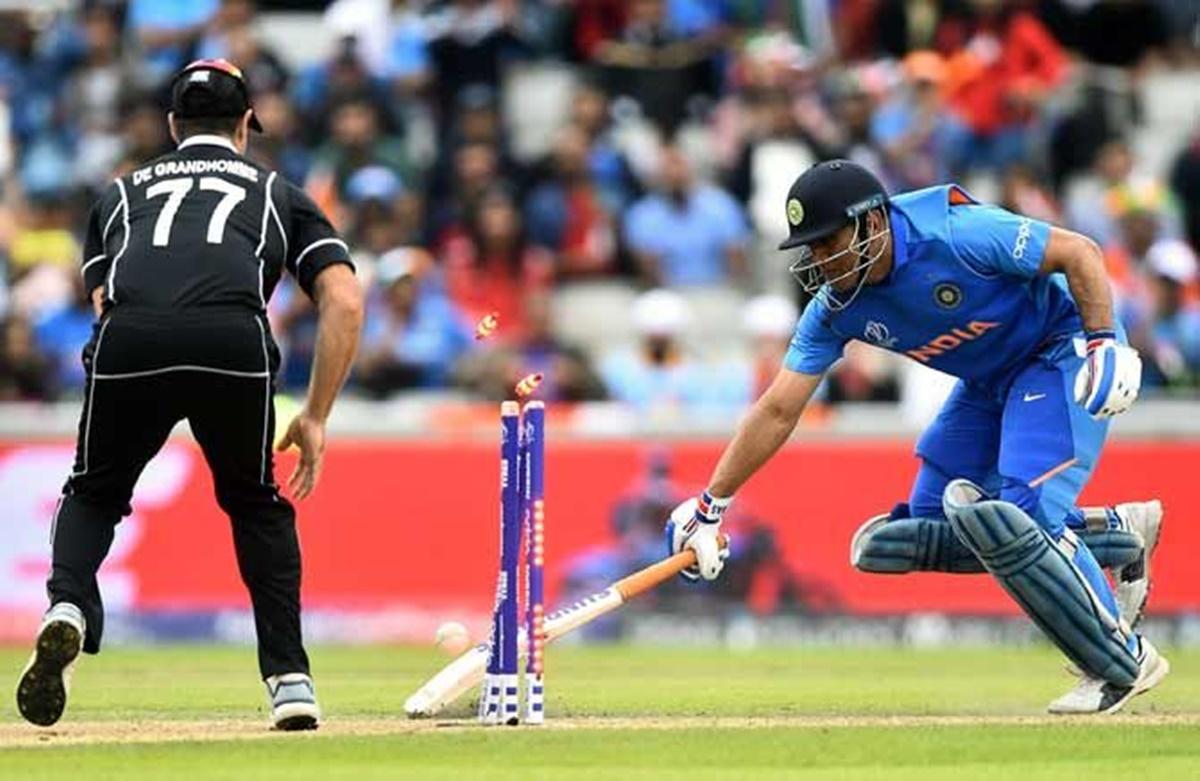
<point>146,372</point>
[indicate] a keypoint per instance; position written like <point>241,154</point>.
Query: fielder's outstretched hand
<point>1110,380</point>
<point>308,434</point>
<point>696,524</point>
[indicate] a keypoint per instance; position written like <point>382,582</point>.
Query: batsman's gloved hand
<point>1110,379</point>
<point>696,524</point>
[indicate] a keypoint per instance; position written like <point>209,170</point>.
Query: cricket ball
<point>452,637</point>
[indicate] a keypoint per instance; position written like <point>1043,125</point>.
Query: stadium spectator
<point>863,374</point>
<point>1004,65</point>
<point>1022,193</point>
<point>662,68</point>
<point>1185,184</point>
<point>357,140</point>
<point>1142,210</point>
<point>470,41</point>
<point>382,213</point>
<point>493,266</point>
<point>567,215</point>
<point>567,373</point>
<point>343,77</point>
<point>400,132</point>
<point>281,146</point>
<point>407,64</point>
<point>43,258</point>
<point>413,334</point>
<point>25,373</point>
<point>687,232</point>
<point>1089,205</point>
<point>92,98</point>
<point>476,169</point>
<point>769,321</point>
<point>1168,333</point>
<point>1144,33</point>
<point>659,376</point>
<point>607,165</point>
<point>167,31</point>
<point>853,109</point>
<point>58,332</point>
<point>914,129</point>
<point>145,133</point>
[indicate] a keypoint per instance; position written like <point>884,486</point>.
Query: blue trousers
<point>1029,444</point>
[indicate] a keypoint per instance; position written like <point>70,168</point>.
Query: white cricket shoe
<point>42,689</point>
<point>1094,695</point>
<point>293,701</point>
<point>1133,579</point>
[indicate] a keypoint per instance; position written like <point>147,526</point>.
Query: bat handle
<point>645,579</point>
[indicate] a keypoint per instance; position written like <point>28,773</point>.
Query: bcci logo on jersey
<point>878,334</point>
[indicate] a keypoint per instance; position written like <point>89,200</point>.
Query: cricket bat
<point>466,672</point>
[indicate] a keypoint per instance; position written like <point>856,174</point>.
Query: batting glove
<point>1109,381</point>
<point>696,524</point>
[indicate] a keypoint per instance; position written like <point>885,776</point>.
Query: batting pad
<point>901,545</point>
<point>1042,577</point>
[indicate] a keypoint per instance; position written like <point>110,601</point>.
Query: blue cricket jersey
<point>964,295</point>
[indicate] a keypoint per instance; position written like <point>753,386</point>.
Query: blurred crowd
<point>605,176</point>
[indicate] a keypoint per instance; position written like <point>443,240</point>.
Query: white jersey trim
<point>180,368</point>
<point>111,289</point>
<point>208,139</point>
<point>91,402</point>
<point>262,238</point>
<point>94,259</point>
<point>262,467</point>
<point>319,243</point>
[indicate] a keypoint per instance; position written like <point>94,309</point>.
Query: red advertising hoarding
<point>413,525</point>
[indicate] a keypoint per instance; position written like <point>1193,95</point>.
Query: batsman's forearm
<point>338,329</point>
<point>760,435</point>
<point>1088,280</point>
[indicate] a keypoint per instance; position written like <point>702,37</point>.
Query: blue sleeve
<point>888,124</point>
<point>815,346</point>
<point>641,230</point>
<point>991,240</point>
<point>731,223</point>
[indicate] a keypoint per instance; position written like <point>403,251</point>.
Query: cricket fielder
<point>1022,314</point>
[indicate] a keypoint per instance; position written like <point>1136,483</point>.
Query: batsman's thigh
<point>1049,445</point>
<point>963,441</point>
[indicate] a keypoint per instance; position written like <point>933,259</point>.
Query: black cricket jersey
<point>201,227</point>
<point>189,248</point>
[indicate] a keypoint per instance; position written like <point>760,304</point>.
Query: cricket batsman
<point>1021,313</point>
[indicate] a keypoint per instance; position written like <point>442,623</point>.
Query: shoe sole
<point>42,690</point>
<point>1150,541</point>
<point>296,716</point>
<point>1143,684</point>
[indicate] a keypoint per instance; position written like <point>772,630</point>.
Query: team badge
<point>795,211</point>
<point>878,334</point>
<point>948,295</point>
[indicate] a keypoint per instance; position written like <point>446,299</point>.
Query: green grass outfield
<point>614,712</point>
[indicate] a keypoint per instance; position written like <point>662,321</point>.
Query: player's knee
<point>103,496</point>
<point>1021,494</point>
<point>895,543</point>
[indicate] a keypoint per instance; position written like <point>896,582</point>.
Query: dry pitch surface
<point>615,712</point>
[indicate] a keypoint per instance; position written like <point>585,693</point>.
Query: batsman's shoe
<point>293,701</point>
<point>42,690</point>
<point>1093,695</point>
<point>1133,579</point>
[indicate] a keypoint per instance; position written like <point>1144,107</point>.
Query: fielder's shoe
<point>1133,580</point>
<point>293,701</point>
<point>1093,695</point>
<point>42,690</point>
